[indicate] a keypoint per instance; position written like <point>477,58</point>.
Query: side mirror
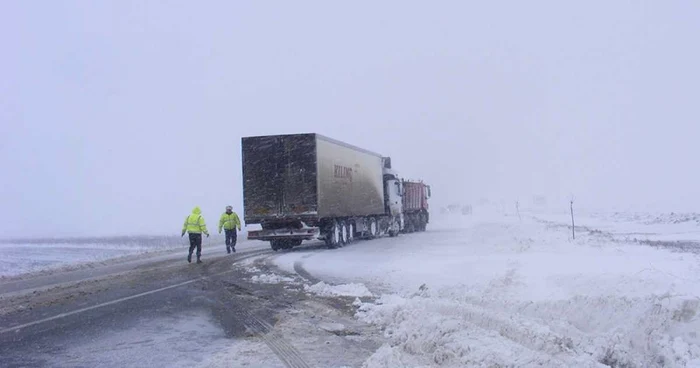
<point>429,194</point>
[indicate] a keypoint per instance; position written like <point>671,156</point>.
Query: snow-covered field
<point>496,291</point>
<point>631,226</point>
<point>28,256</point>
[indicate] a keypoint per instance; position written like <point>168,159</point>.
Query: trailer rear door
<point>279,176</point>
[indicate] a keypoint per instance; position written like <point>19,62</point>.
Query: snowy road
<point>24,283</point>
<point>167,313</point>
<point>482,291</point>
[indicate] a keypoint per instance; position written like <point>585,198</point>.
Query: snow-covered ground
<point>21,257</point>
<point>29,256</point>
<point>324,289</point>
<point>630,226</point>
<point>483,290</point>
<point>271,279</point>
<point>498,291</point>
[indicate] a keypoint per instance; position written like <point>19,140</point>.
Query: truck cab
<point>393,201</point>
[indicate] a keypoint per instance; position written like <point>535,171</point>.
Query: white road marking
<point>62,315</point>
<point>77,311</point>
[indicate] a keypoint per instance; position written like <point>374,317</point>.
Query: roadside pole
<point>573,227</point>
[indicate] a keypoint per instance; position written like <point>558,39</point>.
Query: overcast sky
<point>117,117</point>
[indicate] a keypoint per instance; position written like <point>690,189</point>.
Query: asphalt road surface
<point>166,312</point>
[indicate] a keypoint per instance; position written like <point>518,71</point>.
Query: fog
<point>119,117</point>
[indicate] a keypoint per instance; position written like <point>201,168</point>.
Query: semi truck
<point>415,205</point>
<point>300,187</point>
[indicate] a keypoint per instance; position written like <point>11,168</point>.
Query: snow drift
<point>496,291</point>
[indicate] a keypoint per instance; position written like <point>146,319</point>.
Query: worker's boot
<point>199,260</point>
<point>228,249</point>
<point>189,258</point>
<point>233,249</point>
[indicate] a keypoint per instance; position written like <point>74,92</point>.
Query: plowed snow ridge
<point>497,291</point>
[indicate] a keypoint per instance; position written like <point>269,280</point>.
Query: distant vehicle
<point>453,208</point>
<point>467,209</point>
<point>306,186</point>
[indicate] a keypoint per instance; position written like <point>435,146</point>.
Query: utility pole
<point>517,210</point>
<point>573,227</point>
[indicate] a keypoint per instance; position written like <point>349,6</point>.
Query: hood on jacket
<point>196,210</point>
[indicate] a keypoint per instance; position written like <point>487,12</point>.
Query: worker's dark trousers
<point>196,241</point>
<point>231,238</point>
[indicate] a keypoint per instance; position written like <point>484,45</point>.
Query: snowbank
<point>584,332</point>
<point>271,279</point>
<point>497,291</point>
<point>323,289</point>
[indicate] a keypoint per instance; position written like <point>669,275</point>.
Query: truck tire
<point>394,233</point>
<point>343,239</point>
<point>373,228</point>
<point>333,236</point>
<point>351,232</point>
<point>274,244</point>
<point>289,243</point>
<point>410,224</point>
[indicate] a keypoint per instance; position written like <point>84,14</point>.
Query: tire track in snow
<point>287,353</point>
<point>299,269</point>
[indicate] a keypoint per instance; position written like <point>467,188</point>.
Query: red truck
<point>415,206</point>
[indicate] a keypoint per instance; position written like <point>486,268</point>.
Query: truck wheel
<point>351,232</point>
<point>289,243</point>
<point>274,245</point>
<point>343,239</point>
<point>373,228</point>
<point>333,236</point>
<point>394,233</point>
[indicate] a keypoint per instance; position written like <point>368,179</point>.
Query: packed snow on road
<point>496,290</point>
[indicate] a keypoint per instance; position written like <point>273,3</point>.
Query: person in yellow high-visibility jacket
<point>195,226</point>
<point>229,221</point>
